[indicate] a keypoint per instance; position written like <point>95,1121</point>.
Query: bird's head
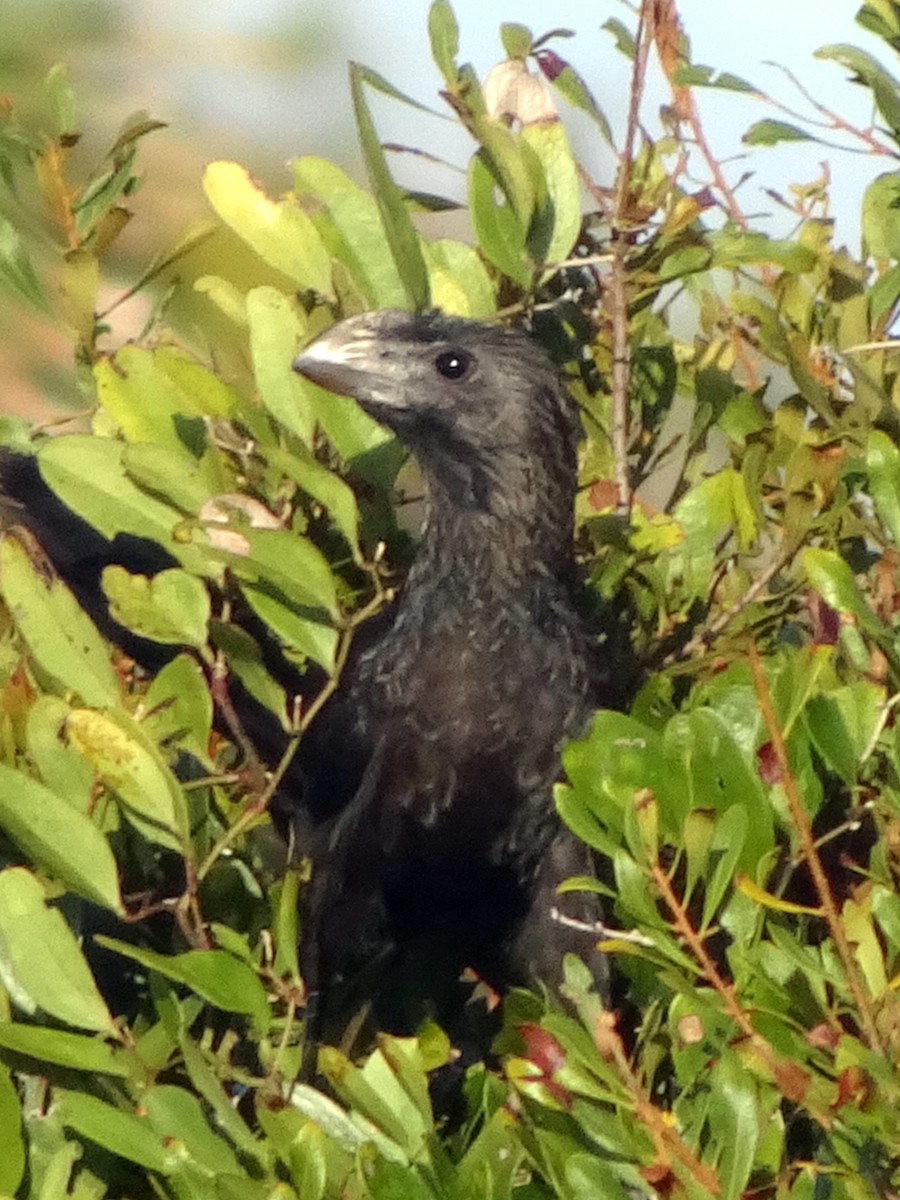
<point>481,406</point>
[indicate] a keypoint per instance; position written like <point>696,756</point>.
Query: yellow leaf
<point>746,885</point>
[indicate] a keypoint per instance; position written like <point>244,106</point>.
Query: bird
<point>423,792</point>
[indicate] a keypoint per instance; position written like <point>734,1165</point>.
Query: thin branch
<point>258,804</point>
<point>793,1079</point>
<point>618,291</point>
<point>833,120</point>
<point>802,824</point>
<point>704,639</point>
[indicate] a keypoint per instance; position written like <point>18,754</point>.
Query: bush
<point>740,504</point>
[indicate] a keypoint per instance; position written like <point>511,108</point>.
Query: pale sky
<point>186,62</point>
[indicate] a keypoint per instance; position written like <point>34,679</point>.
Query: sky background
<point>222,65</point>
<point>265,80</point>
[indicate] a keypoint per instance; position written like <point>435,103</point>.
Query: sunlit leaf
<point>40,960</point>
<point>170,607</point>
<point>399,229</point>
<point>770,132</point>
<point>215,975</point>
<point>353,230</point>
<point>444,34</point>
<point>62,840</point>
<point>63,640</point>
<point>275,334</point>
<point>280,232</point>
<point>12,1163</point>
<point>133,769</point>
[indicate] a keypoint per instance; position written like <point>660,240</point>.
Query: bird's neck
<point>473,556</point>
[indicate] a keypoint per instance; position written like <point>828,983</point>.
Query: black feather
<point>425,786</point>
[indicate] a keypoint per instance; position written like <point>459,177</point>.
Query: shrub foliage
<point>740,503</point>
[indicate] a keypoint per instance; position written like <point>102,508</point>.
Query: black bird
<point>425,785</point>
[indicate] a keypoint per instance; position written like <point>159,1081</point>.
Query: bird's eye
<point>453,364</point>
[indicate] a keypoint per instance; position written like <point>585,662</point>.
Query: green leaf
<point>618,758</point>
<point>443,32</point>
<point>882,18</point>
<point>298,629</point>
<point>60,768</point>
<point>171,607</point>
<point>517,39</point>
<point>770,132</point>
<point>841,724</point>
<point>62,639</point>
<point>881,216</point>
<point>245,660</point>
<point>217,976</point>
<point>207,1083</point>
<point>884,293</point>
<point>204,392</point>
<point>514,166</point>
<point>353,230</point>
<point>557,219</point>
<point>337,1125</point>
<point>61,99</point>
<point>332,492</point>
<point>179,707</point>
<point>65,1049</point>
<point>284,897</point>
<point>587,1177</point>
<point>460,282</point>
<point>57,1171</point>
<point>89,475</point>
<point>726,849</point>
<point>885,88</point>
<point>285,562</point>
<point>123,1134</point>
<point>176,1115</point>
<point>103,193</point>
<point>355,435</point>
<point>624,38</point>
<point>59,838</point>
<point>40,961</point>
<point>12,1161</point>
<point>275,335</point>
<point>133,769</point>
<point>735,1121</point>
<point>573,88</point>
<point>399,229</point>
<point>883,466</point>
<point>735,248</point>
<point>698,75</point>
<point>833,579</point>
<point>379,1096</point>
<point>500,232</point>
<point>16,271</point>
<point>280,232</point>
<point>175,475</point>
<point>142,399</point>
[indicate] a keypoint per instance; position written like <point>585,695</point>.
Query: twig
<point>810,853</point>
<point>703,639</point>
<point>598,929</point>
<point>663,1132</point>
<point>790,1076</point>
<point>883,717</point>
<point>258,804</point>
<point>833,120</point>
<point>618,292</point>
<point>668,35</point>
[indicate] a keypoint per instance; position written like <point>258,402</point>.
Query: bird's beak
<point>344,359</point>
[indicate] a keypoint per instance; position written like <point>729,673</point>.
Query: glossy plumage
<point>425,795</point>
